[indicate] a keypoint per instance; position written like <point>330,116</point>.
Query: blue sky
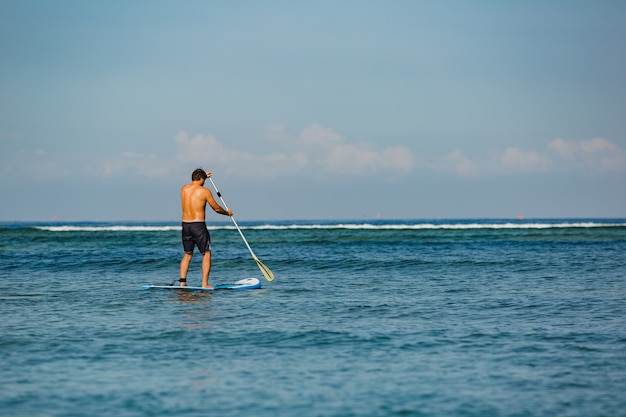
<point>313,110</point>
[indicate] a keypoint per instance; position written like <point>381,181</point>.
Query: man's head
<point>198,175</point>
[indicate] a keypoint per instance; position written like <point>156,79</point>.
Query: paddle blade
<point>269,275</point>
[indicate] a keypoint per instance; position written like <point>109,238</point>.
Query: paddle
<point>269,275</point>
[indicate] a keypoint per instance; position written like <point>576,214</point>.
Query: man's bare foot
<point>183,282</point>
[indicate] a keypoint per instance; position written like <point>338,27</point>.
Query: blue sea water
<point>379,318</point>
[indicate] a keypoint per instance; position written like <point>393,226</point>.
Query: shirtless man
<point>194,198</point>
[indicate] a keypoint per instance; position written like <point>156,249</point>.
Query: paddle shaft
<point>232,217</point>
<point>264,269</point>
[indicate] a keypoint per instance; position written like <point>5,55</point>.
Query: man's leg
<point>206,269</point>
<point>184,267</point>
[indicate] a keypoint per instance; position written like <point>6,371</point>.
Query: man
<point>194,198</point>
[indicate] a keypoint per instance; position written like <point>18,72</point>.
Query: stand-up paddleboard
<point>242,284</point>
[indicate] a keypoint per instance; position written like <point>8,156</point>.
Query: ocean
<point>365,318</point>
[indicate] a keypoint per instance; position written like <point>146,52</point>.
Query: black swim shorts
<point>196,234</point>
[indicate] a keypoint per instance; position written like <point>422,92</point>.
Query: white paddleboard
<point>242,284</point>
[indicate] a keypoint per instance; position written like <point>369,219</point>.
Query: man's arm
<point>216,207</point>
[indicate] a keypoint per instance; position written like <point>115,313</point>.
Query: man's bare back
<point>194,198</point>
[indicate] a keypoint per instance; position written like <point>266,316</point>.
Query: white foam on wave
<point>70,228</point>
<point>335,226</point>
<point>446,226</point>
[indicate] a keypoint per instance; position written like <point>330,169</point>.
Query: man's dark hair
<point>198,174</point>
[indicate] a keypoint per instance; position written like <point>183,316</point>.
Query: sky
<point>313,110</point>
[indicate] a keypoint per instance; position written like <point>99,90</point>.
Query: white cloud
<point>277,132</point>
<point>587,156</point>
<point>200,149</point>
<point>459,163</point>
<point>329,152</point>
<point>316,150</point>
<point>318,137</point>
<point>517,160</point>
<point>208,152</point>
<point>596,154</point>
<point>136,155</point>
<point>128,164</point>
<point>38,164</point>
<point>363,159</point>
